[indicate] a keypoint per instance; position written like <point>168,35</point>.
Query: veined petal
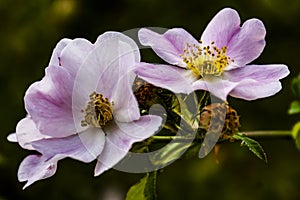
<point>258,72</point>
<point>36,167</point>
<point>125,107</point>
<point>221,28</point>
<point>85,146</point>
<point>176,79</point>
<point>112,56</point>
<point>216,86</point>
<point>27,132</point>
<point>250,89</point>
<point>248,43</point>
<point>128,49</point>
<point>74,54</point>
<point>250,82</point>
<point>12,137</point>
<point>257,81</point>
<point>55,58</point>
<point>48,102</point>
<point>169,45</point>
<point>120,138</point>
<point>125,104</point>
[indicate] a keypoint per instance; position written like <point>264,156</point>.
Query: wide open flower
<point>217,63</point>
<point>84,107</point>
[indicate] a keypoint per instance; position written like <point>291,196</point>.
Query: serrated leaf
<point>296,134</point>
<point>294,108</point>
<point>145,189</point>
<point>253,146</point>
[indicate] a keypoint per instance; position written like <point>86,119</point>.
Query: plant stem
<point>283,134</point>
<point>170,138</point>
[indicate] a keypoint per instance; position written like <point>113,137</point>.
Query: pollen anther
<point>206,60</point>
<point>98,111</point>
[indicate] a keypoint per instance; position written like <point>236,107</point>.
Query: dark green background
<point>30,29</point>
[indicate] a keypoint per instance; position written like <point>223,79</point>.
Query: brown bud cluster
<point>148,95</point>
<point>145,94</point>
<point>215,112</point>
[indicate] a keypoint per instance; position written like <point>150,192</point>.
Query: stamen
<point>98,111</point>
<point>206,60</point>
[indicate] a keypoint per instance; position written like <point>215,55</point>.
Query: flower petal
<point>12,137</point>
<point>120,138</point>
<point>125,107</point>
<point>55,58</point>
<point>258,72</point>
<point>27,132</point>
<point>176,79</point>
<point>36,167</point>
<point>257,81</point>
<point>169,45</point>
<point>252,90</point>
<point>85,146</point>
<point>48,102</point>
<point>129,49</point>
<point>107,71</point>
<point>216,86</point>
<point>221,28</point>
<point>103,67</point>
<point>74,54</point>
<point>248,43</point>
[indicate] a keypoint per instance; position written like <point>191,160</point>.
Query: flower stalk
<point>270,134</point>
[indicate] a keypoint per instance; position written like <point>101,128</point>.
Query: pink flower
<point>84,107</point>
<point>218,63</point>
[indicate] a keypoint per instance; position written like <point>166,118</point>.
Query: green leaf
<point>171,152</point>
<point>294,108</point>
<point>145,189</point>
<point>296,134</point>
<point>253,146</point>
<point>296,86</point>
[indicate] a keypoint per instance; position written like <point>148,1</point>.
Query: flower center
<point>206,60</point>
<point>98,111</point>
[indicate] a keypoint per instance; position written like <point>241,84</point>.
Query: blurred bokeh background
<point>30,29</point>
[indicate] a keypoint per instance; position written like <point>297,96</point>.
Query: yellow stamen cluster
<point>206,60</point>
<point>98,111</point>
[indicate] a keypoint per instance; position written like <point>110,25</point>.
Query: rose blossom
<point>218,62</point>
<point>84,107</point>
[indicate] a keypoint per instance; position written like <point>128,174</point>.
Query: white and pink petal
<point>121,136</point>
<point>84,147</point>
<point>258,72</point>
<point>56,54</point>
<point>170,45</point>
<point>250,89</point>
<point>36,167</point>
<point>125,108</point>
<point>74,54</point>
<point>113,55</point>
<point>222,28</point>
<point>175,79</point>
<point>217,86</point>
<point>27,132</point>
<point>247,43</point>
<point>257,81</point>
<point>48,102</point>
